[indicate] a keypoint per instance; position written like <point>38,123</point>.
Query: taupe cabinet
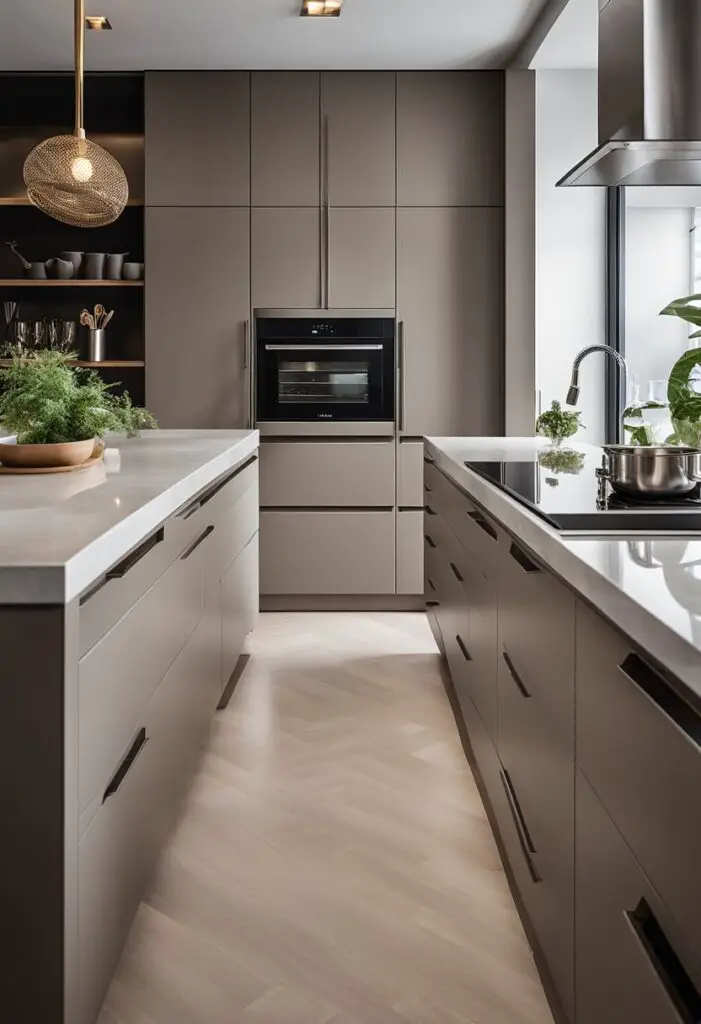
<point>197,316</point>
<point>619,933</point>
<point>450,288</point>
<point>125,681</point>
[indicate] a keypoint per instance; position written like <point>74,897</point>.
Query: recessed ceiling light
<point>98,22</point>
<point>321,8</point>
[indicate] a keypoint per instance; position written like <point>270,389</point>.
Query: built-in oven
<point>325,373</point>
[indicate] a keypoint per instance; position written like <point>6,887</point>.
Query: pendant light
<point>70,178</point>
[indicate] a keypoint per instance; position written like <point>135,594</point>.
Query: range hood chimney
<point>649,96</point>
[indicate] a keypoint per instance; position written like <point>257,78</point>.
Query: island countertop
<point>649,588</point>
<point>59,533</point>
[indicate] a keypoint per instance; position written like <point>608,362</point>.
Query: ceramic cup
<point>93,266</point>
<point>132,271</point>
<point>76,258</point>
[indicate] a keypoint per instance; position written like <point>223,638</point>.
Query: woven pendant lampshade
<point>69,177</point>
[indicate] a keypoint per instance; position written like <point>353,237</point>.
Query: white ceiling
<point>36,35</point>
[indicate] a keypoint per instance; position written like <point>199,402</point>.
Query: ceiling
<point>36,35</point>
<point>573,41</point>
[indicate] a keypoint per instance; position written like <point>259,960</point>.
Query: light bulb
<point>81,169</point>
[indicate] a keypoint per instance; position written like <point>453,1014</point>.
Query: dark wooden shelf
<point>121,363</point>
<point>23,282</point>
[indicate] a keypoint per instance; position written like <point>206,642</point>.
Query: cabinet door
<point>410,552</point>
<point>450,280</point>
<point>361,258</point>
<point>450,131</point>
<point>285,138</point>
<point>359,121</point>
<point>632,964</point>
<point>198,138</point>
<point>286,258</point>
<point>197,309</point>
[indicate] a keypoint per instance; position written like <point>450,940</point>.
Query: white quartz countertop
<point>59,533</point>
<point>649,587</point>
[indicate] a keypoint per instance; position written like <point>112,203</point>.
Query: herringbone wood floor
<point>333,864</point>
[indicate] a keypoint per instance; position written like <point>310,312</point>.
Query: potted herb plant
<point>557,424</point>
<point>59,413</point>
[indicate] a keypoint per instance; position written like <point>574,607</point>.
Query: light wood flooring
<point>334,864</point>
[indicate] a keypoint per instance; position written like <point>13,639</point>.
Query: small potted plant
<point>58,413</point>
<point>557,424</point>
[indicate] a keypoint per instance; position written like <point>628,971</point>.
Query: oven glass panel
<point>323,382</point>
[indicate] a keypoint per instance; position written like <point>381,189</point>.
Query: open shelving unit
<point>33,107</point>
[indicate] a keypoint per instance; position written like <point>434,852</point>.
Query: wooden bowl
<point>40,456</point>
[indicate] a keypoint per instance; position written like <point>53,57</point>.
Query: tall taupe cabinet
<point>197,248</point>
<point>323,189</point>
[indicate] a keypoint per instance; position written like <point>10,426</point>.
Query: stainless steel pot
<point>655,471</point>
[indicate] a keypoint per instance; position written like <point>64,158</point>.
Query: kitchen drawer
<point>410,474</point>
<point>537,639</point>
<point>239,606</point>
<point>638,745</point>
<point>233,528</point>
<point>120,588</point>
<point>632,963</point>
<point>119,674</point>
<point>477,532</point>
<point>312,474</point>
<point>410,552</point>
<point>327,552</point>
<point>115,858</point>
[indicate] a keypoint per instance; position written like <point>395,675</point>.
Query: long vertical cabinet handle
<point>248,367</point>
<point>327,204</point>
<point>401,375</point>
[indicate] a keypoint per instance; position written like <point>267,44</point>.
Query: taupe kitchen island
<point>126,593</point>
<point>576,681</point>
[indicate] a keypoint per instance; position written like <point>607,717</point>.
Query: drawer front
<point>410,474</point>
<point>329,552</point>
<point>115,858</point>
<point>629,950</point>
<point>638,745</point>
<point>239,606</point>
<point>477,532</point>
<point>410,552</point>
<point>307,474</point>
<point>220,495</point>
<point>233,528</point>
<point>537,640</point>
<point>118,676</point>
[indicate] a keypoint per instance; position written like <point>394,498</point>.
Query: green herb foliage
<point>684,401</point>
<point>558,424</point>
<point>45,401</point>
<point>561,460</point>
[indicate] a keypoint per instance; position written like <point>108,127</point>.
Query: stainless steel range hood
<point>649,96</point>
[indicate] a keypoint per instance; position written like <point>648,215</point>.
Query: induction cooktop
<point>574,500</point>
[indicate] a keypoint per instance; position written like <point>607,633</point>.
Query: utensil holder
<point>96,346</point>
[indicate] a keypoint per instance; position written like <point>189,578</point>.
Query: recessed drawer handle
<point>193,547</point>
<point>430,582</point>
<point>126,765</point>
<point>465,653</point>
<point>517,806</point>
<point>523,560</point>
<point>429,540</point>
<point>662,694</point>
<point>520,827</point>
<point>513,673</point>
<point>665,962</point>
<point>429,490</point>
<point>479,520</point>
<point>197,504</point>
<point>430,511</point>
<point>119,571</point>
<point>456,573</point>
<point>429,460</point>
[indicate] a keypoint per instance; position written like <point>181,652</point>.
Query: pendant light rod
<point>79,66</point>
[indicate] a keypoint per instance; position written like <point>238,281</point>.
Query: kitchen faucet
<point>573,391</point>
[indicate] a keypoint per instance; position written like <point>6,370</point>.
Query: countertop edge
<point>653,636</point>
<point>60,584</point>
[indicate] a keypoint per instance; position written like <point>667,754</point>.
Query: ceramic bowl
<point>132,271</point>
<point>41,456</point>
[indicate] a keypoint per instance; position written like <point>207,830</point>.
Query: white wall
<point>570,246</point>
<point>658,269</point>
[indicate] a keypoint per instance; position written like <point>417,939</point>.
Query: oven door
<point>325,382</point>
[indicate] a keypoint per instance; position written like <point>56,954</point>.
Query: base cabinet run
<point>136,666</point>
<point>602,846</point>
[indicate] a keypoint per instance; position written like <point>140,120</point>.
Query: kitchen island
<point>126,593</point>
<point>575,675</point>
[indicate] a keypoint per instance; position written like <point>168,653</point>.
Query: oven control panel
<point>323,329</point>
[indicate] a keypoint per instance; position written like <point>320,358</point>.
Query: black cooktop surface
<point>568,494</point>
